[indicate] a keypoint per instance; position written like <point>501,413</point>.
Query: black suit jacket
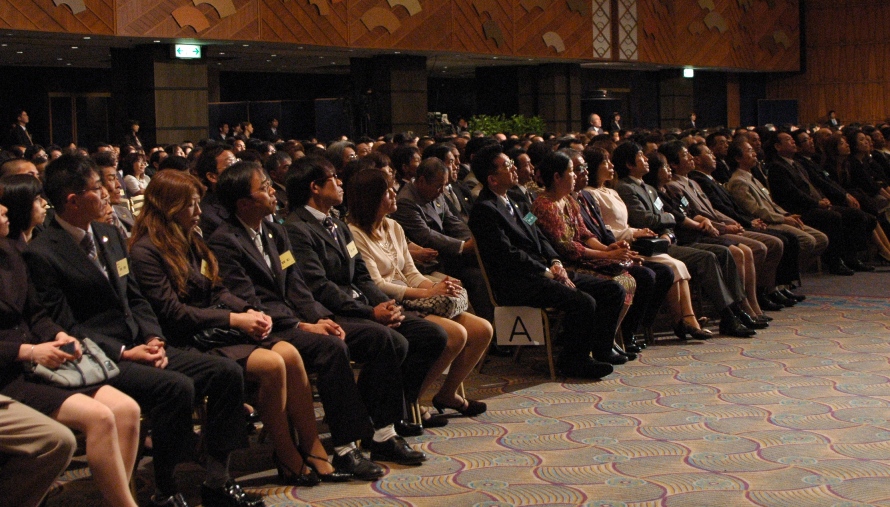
<point>330,272</point>
<point>110,310</point>
<point>430,224</point>
<point>512,250</point>
<point>720,199</point>
<point>818,177</point>
<point>788,188</point>
<point>641,210</point>
<point>22,318</point>
<point>18,136</point>
<point>280,293</point>
<point>213,213</point>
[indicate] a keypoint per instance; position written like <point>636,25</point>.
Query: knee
<point>127,412</point>
<point>99,420</point>
<point>457,338</point>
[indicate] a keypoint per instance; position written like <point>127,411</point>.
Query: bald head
<point>18,166</point>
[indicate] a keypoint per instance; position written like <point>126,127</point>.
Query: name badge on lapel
<point>530,219</point>
<point>205,269</point>
<point>684,201</point>
<point>658,204</point>
<point>123,268</point>
<point>352,249</point>
<point>287,260</point>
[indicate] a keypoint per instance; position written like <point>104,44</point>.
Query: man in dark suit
<point>81,271</point>
<point>277,166</point>
<point>458,195</point>
<point>718,143</point>
<point>123,217</point>
<point>338,278</point>
<point>788,269</point>
<point>257,264</point>
<point>524,270</point>
<point>212,162</point>
<point>18,135</point>
<point>427,220</point>
<point>792,189</point>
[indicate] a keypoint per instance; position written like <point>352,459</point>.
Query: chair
<point>517,314</point>
<point>136,204</point>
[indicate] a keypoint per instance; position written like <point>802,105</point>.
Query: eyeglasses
<point>324,181</point>
<point>581,168</point>
<point>97,189</point>
<point>509,165</point>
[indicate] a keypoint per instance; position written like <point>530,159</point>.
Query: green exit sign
<point>187,51</point>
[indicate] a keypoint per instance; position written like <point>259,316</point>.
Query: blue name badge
<point>530,219</point>
<point>658,204</point>
<point>684,201</point>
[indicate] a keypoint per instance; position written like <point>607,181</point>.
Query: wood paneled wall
<point>847,62</point>
<point>742,34</point>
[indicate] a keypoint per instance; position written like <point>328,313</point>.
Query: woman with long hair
<point>22,196</point>
<point>28,337</point>
<point>384,249</point>
<point>179,275</point>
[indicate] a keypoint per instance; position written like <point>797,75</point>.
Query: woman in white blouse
<point>384,249</point>
<point>614,213</point>
<point>135,179</point>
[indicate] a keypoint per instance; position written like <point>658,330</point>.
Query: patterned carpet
<point>797,416</point>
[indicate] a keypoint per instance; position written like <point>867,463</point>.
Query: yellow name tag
<point>123,268</point>
<point>287,260</point>
<point>205,268</point>
<point>352,249</point>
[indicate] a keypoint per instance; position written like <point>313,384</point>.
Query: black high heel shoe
<point>335,476</point>
<point>468,408</point>
<point>289,477</point>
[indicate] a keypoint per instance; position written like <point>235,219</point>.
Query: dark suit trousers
<point>654,280</point>
<point>426,341</point>
<point>169,395</point>
<point>328,357</point>
<point>705,271</point>
<point>381,352</point>
<point>848,229</point>
<point>591,311</point>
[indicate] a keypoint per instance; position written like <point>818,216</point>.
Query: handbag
<point>443,306</point>
<point>606,267</point>
<point>650,246</point>
<point>215,337</point>
<point>93,367</point>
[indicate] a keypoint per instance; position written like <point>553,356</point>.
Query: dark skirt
<point>43,398</point>
<point>240,353</point>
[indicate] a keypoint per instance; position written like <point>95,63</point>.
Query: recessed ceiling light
<point>273,56</point>
<point>60,59</point>
<point>73,47</point>
<point>157,41</point>
<point>87,38</point>
<point>245,45</point>
<point>398,52</point>
<point>68,64</point>
<point>300,47</point>
<point>4,45</point>
<point>221,53</point>
<point>494,58</point>
<point>19,52</point>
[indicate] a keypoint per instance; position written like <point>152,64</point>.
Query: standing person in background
<point>18,135</point>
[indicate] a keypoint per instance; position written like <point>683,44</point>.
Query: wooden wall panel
<point>400,24</point>
<point>483,26</point>
<point>847,63</point>
<point>553,28</point>
<point>212,19</point>
<point>320,22</point>
<point>754,34</point>
<point>70,16</point>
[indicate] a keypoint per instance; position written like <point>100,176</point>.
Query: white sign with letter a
<point>519,325</point>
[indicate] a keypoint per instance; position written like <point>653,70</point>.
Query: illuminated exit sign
<point>187,51</point>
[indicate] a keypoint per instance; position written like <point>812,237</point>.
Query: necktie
<point>258,243</point>
<point>449,193</point>
<point>329,224</point>
<point>120,226</point>
<point>89,247</point>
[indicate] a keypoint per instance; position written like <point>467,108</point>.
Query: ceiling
<point>36,49</point>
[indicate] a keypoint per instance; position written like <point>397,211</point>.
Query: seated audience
<point>81,271</point>
<point>22,195</point>
<point>256,263</point>
<point>384,249</point>
<point>135,180</point>
<point>525,270</point>
<point>122,218</point>
<point>179,276</point>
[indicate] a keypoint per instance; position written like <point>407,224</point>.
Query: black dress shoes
<point>584,368</point>
<point>780,298</point>
<point>395,450</point>
<point>792,296</point>
<point>857,265</point>
<point>629,355</point>
<point>749,321</point>
<point>612,357</point>
<point>229,495</point>
<point>632,345</point>
<point>407,429</point>
<point>767,304</point>
<point>839,268</point>
<point>355,463</point>
<point>731,326</point>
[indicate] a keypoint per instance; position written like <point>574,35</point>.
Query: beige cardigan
<point>390,268</point>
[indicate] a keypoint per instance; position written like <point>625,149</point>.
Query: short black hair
<point>234,183</point>
<point>625,154</point>
<point>68,174</point>
<point>483,162</point>
<point>19,193</point>
<point>302,174</point>
<point>104,159</point>
<point>430,168</point>
<point>671,151</point>
<point>554,163</point>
